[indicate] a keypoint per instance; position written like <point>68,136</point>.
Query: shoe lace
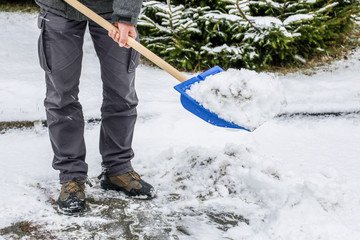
<point>104,171</point>
<point>73,187</point>
<point>134,175</point>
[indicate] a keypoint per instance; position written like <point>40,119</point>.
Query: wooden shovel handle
<point>130,41</point>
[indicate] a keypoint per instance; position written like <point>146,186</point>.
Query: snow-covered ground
<point>292,178</point>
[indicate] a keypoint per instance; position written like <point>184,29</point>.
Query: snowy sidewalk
<point>293,178</point>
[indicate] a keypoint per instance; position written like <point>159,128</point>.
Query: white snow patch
<point>297,17</point>
<point>327,7</point>
<point>266,21</point>
<point>222,48</point>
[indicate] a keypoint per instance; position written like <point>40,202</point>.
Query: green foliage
<point>257,34</point>
<point>16,1</point>
<point>18,5</point>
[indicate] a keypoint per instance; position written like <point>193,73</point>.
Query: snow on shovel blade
<point>194,107</point>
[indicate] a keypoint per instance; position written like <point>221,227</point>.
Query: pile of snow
<point>244,97</point>
<point>245,194</point>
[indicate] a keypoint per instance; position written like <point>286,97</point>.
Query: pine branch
<point>243,15</point>
<point>170,17</point>
<point>283,10</point>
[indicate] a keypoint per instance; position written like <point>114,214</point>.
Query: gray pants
<point>60,55</point>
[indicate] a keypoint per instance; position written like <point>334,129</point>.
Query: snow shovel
<point>188,102</point>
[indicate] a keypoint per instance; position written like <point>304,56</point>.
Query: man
<point>60,55</point>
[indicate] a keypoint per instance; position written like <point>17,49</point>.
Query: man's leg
<point>119,101</point>
<point>118,115</point>
<point>60,53</point>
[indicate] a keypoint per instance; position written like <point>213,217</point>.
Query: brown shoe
<point>130,183</point>
<point>72,197</point>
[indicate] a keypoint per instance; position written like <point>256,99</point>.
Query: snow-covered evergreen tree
<point>256,34</point>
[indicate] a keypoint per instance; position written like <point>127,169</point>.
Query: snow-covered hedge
<point>255,34</point>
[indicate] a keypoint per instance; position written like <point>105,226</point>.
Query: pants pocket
<point>41,49</point>
<point>134,59</point>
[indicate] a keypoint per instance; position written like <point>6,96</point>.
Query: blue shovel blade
<point>194,107</point>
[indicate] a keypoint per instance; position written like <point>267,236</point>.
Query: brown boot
<point>130,183</point>
<point>72,197</point>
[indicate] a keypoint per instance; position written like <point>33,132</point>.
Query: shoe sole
<point>78,208</point>
<point>71,212</point>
